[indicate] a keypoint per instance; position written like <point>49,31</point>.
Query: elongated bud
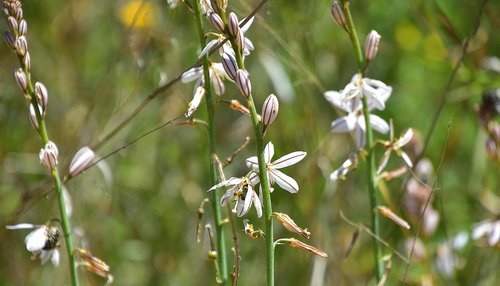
<point>240,42</point>
<point>42,95</point>
<point>233,24</point>
<point>338,13</point>
<point>48,155</point>
<point>19,14</point>
<point>27,62</point>
<point>33,119</point>
<point>12,23</point>
<point>230,65</point>
<point>216,21</point>
<point>290,225</point>
<point>22,28</point>
<point>299,244</point>
<point>10,40</point>
<point>243,83</point>
<point>21,46</point>
<point>270,109</point>
<point>215,8</point>
<point>21,80</point>
<point>236,105</point>
<point>81,161</point>
<point>371,45</point>
<point>388,213</point>
<point>491,149</point>
<point>495,132</point>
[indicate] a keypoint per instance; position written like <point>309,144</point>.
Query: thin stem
<point>220,235</point>
<point>371,170</point>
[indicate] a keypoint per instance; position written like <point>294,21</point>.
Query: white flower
<point>489,229</point>
<point>396,145</point>
<point>217,75</point>
<point>242,190</point>
<point>172,3</point>
<point>273,174</point>
<point>346,167</point>
<point>41,242</point>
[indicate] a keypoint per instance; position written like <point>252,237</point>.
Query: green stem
<point>220,235</point>
<point>371,170</point>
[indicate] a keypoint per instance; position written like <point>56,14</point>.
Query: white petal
<point>192,74</point>
<point>229,182</point>
<point>217,82</point>
<point>253,163</point>
<point>36,239</point>
<point>288,160</point>
<point>254,178</point>
<point>228,195</point>
<point>248,47</point>
<point>284,181</point>
<point>248,199</point>
<point>81,160</point>
<point>247,24</point>
<point>494,236</point>
<point>403,140</point>
<point>258,204</point>
<point>481,229</point>
<point>344,124</point>
<point>407,159</point>
<point>384,161</point>
<point>336,99</point>
<point>268,152</point>
<point>379,124</point>
<point>359,133</point>
<point>56,257</point>
<point>22,226</point>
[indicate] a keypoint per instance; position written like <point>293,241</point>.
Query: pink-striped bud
<point>243,82</point>
<point>21,80</point>
<point>233,24</point>
<point>240,42</point>
<point>83,158</point>
<point>27,62</point>
<point>230,65</point>
<point>33,118</point>
<point>48,155</point>
<point>22,28</point>
<point>10,40</point>
<point>216,21</point>
<point>371,45</point>
<point>270,110</point>
<point>21,46</point>
<point>42,95</point>
<point>12,23</point>
<point>338,13</point>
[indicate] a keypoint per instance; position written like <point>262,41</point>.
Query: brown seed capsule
<point>216,21</point>
<point>236,105</point>
<point>338,13</point>
<point>388,213</point>
<point>243,83</point>
<point>270,110</point>
<point>371,45</point>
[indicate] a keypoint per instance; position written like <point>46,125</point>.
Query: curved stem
<point>220,235</point>
<point>371,170</point>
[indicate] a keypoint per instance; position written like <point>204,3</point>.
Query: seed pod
<point>243,83</point>
<point>42,95</point>
<point>216,21</point>
<point>81,161</point>
<point>338,13</point>
<point>371,45</point>
<point>230,65</point>
<point>233,24</point>
<point>270,110</point>
<point>21,80</point>
<point>48,155</point>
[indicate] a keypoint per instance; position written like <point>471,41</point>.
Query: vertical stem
<point>220,235</point>
<point>372,184</point>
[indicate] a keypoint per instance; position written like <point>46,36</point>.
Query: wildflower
<point>81,161</point>
<point>41,242</point>
<point>273,174</point>
<point>242,190</point>
<point>48,155</point>
<point>216,74</point>
<point>396,145</point>
<point>487,228</point>
<point>138,14</point>
<point>346,167</point>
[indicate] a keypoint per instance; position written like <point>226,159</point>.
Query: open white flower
<point>274,175</point>
<point>41,242</point>
<point>242,190</point>
<point>217,76</point>
<point>396,145</point>
<point>489,229</point>
<point>346,167</point>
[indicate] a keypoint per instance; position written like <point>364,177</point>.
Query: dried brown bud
<point>236,105</point>
<point>371,45</point>
<point>243,83</point>
<point>270,109</point>
<point>230,65</point>
<point>388,213</point>
<point>290,225</point>
<point>233,25</point>
<point>216,21</point>
<point>94,264</point>
<point>250,232</point>
<point>48,155</point>
<point>21,80</point>
<point>10,40</point>
<point>83,158</point>
<point>42,95</point>
<point>338,13</point>
<point>299,244</point>
<point>21,46</point>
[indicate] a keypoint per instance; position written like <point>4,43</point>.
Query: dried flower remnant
<point>244,193</point>
<point>290,225</point>
<point>250,232</point>
<point>371,45</point>
<point>41,242</point>
<point>94,264</point>
<point>82,159</point>
<point>299,244</point>
<point>388,213</point>
<point>216,75</point>
<point>48,155</point>
<point>284,181</point>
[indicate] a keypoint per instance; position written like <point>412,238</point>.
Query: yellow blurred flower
<point>138,14</point>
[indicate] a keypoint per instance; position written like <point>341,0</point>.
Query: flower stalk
<point>371,169</point>
<point>215,198</point>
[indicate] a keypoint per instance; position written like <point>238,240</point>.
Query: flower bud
<point>371,45</point>
<point>81,161</point>
<point>230,65</point>
<point>12,23</point>
<point>10,40</point>
<point>236,105</point>
<point>21,80</point>
<point>240,42</point>
<point>48,155</point>
<point>338,13</point>
<point>270,109</point>
<point>491,149</point>
<point>216,21</point>
<point>243,83</point>
<point>299,244</point>
<point>33,119</point>
<point>27,62</point>
<point>19,14</point>
<point>233,24</point>
<point>22,28</point>
<point>495,132</point>
<point>215,8</point>
<point>21,46</point>
<point>42,95</point>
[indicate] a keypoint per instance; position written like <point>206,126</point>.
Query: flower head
<point>243,192</point>
<point>284,181</point>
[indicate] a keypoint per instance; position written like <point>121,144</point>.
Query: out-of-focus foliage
<point>100,59</point>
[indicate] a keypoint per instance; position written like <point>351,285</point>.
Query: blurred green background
<point>141,216</point>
